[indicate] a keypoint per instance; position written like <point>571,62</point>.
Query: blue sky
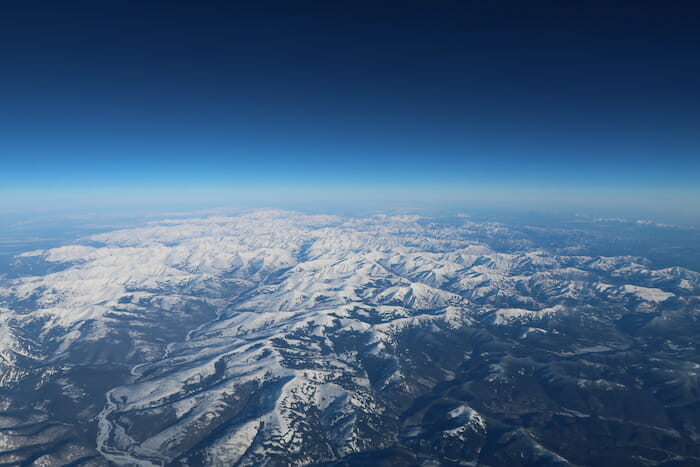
<point>125,104</point>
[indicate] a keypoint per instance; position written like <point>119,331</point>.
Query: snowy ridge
<point>288,316</point>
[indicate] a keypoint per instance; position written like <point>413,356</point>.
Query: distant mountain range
<point>280,338</point>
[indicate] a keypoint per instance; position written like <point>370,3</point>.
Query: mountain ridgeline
<point>281,338</point>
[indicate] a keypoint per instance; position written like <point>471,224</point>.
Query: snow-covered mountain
<point>282,338</point>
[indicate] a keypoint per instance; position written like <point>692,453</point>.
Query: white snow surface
<point>301,282</point>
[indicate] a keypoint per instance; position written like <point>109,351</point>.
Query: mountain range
<point>282,338</point>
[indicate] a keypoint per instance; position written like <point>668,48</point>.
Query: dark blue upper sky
<point>582,102</point>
